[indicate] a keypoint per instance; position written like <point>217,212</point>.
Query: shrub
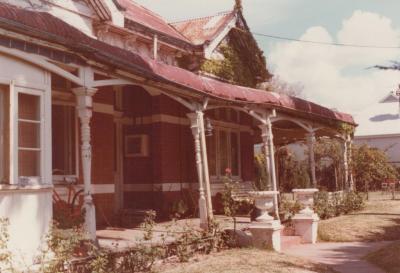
<point>322,205</point>
<point>66,216</point>
<point>289,206</point>
<point>353,201</point>
<point>5,254</point>
<point>330,206</point>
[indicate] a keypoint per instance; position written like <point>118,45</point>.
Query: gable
<point>203,30</point>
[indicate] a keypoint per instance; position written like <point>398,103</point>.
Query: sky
<point>336,77</point>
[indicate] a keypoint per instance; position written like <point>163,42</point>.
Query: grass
<point>387,258</point>
<point>244,260</point>
<point>378,221</point>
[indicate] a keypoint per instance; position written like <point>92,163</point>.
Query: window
<point>30,131</point>
<point>223,151</point>
<point>64,139</point>
<point>4,135</point>
<point>136,146</point>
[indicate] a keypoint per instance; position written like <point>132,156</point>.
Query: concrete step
<point>289,241</point>
<point>132,217</point>
<point>288,231</point>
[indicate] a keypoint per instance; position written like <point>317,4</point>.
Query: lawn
<point>379,220</point>
<point>244,260</point>
<point>387,258</point>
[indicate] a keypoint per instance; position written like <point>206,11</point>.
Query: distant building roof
<point>381,118</point>
<point>202,30</point>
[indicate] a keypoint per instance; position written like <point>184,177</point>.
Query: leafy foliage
<point>71,251</point>
<point>329,164</point>
<point>262,181</point>
<point>66,217</point>
<point>289,206</point>
<point>345,128</point>
<point>5,253</point>
<point>329,205</point>
<point>243,62</point>
<point>293,172</point>
<point>370,167</point>
<point>277,85</point>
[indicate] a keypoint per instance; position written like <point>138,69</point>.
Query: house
<point>106,94</point>
<point>379,127</point>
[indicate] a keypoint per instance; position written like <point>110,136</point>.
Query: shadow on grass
<point>375,213</point>
<point>320,268</point>
<point>343,257</point>
<point>386,233</point>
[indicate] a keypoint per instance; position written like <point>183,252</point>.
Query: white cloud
<point>339,77</point>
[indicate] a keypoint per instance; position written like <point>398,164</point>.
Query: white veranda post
<point>268,141</point>
<point>205,164</point>
<point>195,126</point>
<point>84,97</point>
<point>311,142</point>
<point>267,163</point>
<point>346,164</point>
<point>349,163</point>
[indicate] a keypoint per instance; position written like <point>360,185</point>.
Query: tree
<point>370,167</point>
<point>277,85</point>
<point>293,172</point>
<point>329,158</point>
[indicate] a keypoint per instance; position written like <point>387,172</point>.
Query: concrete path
<point>342,257</point>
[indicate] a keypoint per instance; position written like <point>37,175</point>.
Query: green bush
<point>289,206</point>
<point>353,201</point>
<point>331,206</point>
<point>322,205</point>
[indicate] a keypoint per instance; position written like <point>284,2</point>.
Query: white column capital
<point>195,122</point>
<point>84,91</point>
<point>311,137</point>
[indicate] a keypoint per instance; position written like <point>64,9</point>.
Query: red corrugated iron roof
<point>148,18</point>
<point>244,94</point>
<point>47,27</point>
<point>202,30</point>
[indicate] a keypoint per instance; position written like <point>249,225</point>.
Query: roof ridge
<point>204,17</point>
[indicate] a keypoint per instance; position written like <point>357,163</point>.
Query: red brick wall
<point>103,148</point>
<point>247,156</point>
<point>104,204</point>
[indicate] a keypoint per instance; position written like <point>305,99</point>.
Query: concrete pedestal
<point>306,226</point>
<point>267,234</point>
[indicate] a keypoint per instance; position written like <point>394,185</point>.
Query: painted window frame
<point>73,177</point>
<point>15,178</point>
<point>3,155</point>
<point>215,178</point>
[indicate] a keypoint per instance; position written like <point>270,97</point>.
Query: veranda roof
<point>45,26</point>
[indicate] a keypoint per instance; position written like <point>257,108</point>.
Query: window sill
<point>10,187</point>
<point>64,179</point>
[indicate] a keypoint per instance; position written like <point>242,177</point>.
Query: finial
<point>238,5</point>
